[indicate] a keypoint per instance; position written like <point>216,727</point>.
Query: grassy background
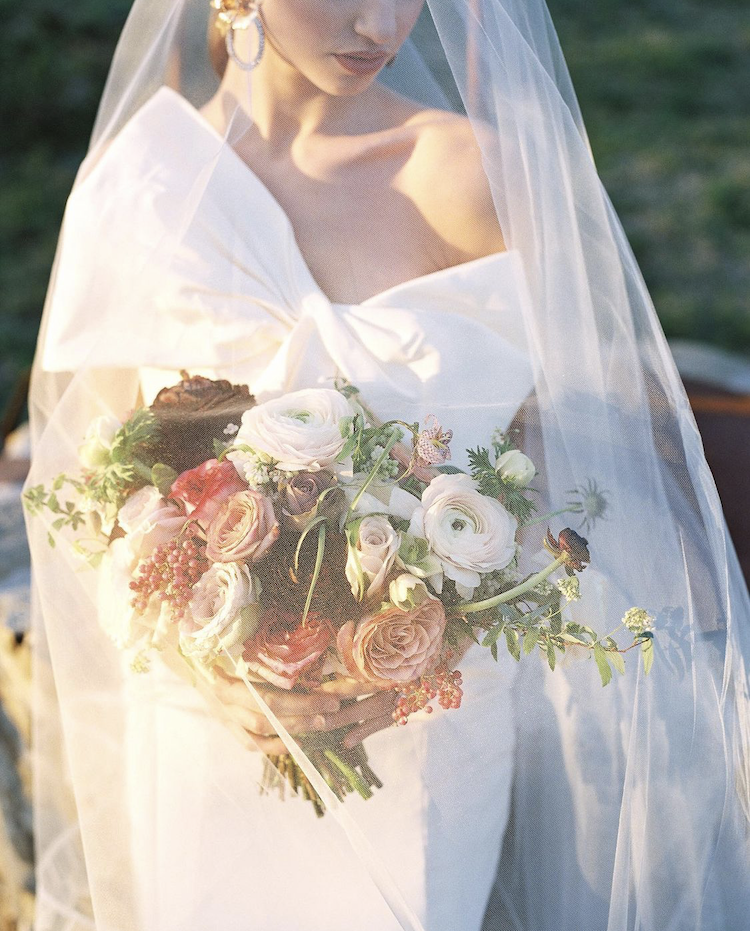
<point>664,87</point>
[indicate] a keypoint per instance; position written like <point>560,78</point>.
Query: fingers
<point>346,687</point>
<point>357,734</point>
<point>271,746</point>
<point>364,710</point>
<point>235,692</point>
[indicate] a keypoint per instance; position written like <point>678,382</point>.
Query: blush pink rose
<point>244,528</point>
<point>394,646</point>
<point>206,488</point>
<point>285,653</point>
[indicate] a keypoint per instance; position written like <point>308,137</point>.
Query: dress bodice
<point>230,293</point>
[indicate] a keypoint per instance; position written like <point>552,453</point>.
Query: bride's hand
<point>318,710</point>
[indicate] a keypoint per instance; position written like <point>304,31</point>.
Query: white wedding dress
<point>237,300</point>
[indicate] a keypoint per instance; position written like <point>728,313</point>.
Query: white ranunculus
<point>222,613</point>
<point>149,520</point>
<point>94,451</point>
<point>371,555</point>
<point>406,591</point>
<point>516,468</point>
<point>300,430</point>
<point>469,532</point>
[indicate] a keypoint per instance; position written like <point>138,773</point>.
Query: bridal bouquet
<point>300,540</point>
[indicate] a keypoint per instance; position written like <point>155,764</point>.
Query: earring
<point>239,14</point>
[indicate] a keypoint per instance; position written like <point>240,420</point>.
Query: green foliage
<point>647,651</point>
<point>601,661</point>
<point>489,482</point>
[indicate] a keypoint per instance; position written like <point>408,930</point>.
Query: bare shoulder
<point>449,183</point>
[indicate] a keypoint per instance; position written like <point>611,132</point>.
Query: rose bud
<point>300,497</point>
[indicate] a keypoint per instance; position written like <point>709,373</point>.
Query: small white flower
<point>638,620</point>
<point>230,429</point>
<point>94,452</point>
<point>515,468</point>
<point>570,588</point>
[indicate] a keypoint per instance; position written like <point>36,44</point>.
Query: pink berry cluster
<point>443,684</point>
<point>170,573</point>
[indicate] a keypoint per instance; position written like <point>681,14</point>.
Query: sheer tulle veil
<point>630,803</point>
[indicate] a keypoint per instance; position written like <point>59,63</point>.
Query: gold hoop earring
<point>239,14</point>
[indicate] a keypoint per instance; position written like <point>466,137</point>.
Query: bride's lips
<point>362,62</point>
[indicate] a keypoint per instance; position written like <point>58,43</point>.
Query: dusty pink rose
<point>244,528</point>
<point>285,653</point>
<point>394,646</point>
<point>206,488</point>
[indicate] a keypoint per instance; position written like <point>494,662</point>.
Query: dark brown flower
<point>571,545</point>
<point>192,414</point>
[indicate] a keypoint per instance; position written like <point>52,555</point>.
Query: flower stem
<point>352,776</point>
<point>316,570</point>
<point>546,517</point>
<point>470,607</point>
<point>373,472</point>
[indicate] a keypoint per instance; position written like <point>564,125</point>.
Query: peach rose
<point>244,528</point>
<point>394,646</point>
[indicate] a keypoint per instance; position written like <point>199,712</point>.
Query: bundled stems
<point>345,770</point>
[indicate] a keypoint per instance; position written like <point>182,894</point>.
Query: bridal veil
<point>630,803</point>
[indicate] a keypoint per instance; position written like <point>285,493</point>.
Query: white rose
<point>469,532</point>
<point>94,452</point>
<point>516,468</point>
<point>407,592</point>
<point>149,520</point>
<point>299,430</point>
<point>371,556</point>
<point>222,613</point>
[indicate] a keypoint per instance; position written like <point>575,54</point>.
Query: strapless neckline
<point>428,278</point>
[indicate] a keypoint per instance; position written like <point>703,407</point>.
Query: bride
<point>292,221</point>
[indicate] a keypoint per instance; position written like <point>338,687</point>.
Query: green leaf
<point>52,503</point>
<point>601,661</point>
<point>493,651</point>
<point>51,540</point>
<point>493,635</point>
<point>57,524</point>
<point>163,477</point>
<point>618,661</point>
<point>514,647</point>
<point>58,483</point>
<point>647,651</point>
<point>551,658</point>
<point>530,640</point>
